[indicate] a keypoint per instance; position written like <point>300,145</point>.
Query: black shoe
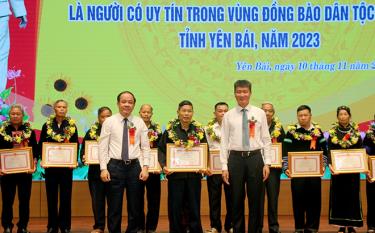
<point>342,230</point>
<point>351,230</point>
<point>65,230</point>
<point>22,230</point>
<point>8,230</point>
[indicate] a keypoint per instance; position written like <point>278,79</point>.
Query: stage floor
<point>84,224</point>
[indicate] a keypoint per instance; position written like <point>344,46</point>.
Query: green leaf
<point>6,93</point>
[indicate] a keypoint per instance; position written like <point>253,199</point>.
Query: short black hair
<point>125,92</point>
<point>183,103</point>
<point>303,107</point>
<point>220,103</point>
<point>242,83</point>
<point>345,108</point>
<point>102,109</point>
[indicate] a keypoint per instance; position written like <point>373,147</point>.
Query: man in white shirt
<point>122,138</point>
<point>244,135</point>
<point>215,182</point>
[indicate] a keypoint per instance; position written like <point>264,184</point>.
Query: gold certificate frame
<point>154,166</point>
<point>19,160</point>
<point>276,155</point>
<point>306,164</point>
<point>349,161</point>
<point>371,161</point>
<point>59,155</point>
<point>214,162</point>
<point>91,152</point>
<point>180,159</point>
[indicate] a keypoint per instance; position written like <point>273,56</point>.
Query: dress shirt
<point>214,145</point>
<point>231,134</point>
<point>110,141</point>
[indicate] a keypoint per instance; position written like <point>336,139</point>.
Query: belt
<point>126,162</point>
<point>245,154</point>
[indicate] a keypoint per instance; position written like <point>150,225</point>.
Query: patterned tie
<point>245,130</point>
<point>125,148</point>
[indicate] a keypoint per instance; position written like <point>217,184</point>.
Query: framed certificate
<point>349,161</point>
<point>18,160</point>
<point>91,152</point>
<point>305,164</point>
<point>276,155</point>
<point>154,165</point>
<point>180,159</point>
<point>371,161</point>
<point>214,162</point>
<point>59,154</point>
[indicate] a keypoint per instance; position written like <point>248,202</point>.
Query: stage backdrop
<point>319,53</point>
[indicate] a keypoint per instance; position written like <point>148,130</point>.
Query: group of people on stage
<point>243,135</point>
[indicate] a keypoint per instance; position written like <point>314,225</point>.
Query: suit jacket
<point>16,6</point>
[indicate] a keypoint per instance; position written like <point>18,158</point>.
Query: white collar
<point>239,108</point>
<point>121,118</point>
<point>310,128</point>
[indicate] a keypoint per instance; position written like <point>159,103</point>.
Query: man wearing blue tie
<point>123,146</point>
<point>244,135</point>
<point>19,11</point>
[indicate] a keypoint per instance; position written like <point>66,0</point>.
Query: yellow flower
<point>316,131</point>
<point>331,131</point>
<point>291,127</point>
<point>190,144</point>
<point>58,137</point>
<point>354,140</point>
<point>177,143</point>
<point>72,130</point>
<point>72,122</point>
<point>200,135</point>
<point>8,138</point>
<point>92,134</point>
<point>2,129</point>
<point>335,140</point>
<point>18,139</point>
<point>49,131</point>
<point>308,137</point>
<point>276,134</point>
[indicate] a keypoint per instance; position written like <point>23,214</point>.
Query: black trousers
<point>182,191</point>
<point>153,203</point>
<point>306,197</point>
<point>9,184</point>
<point>370,192</point>
<point>98,191</point>
<point>124,176</point>
<point>59,182</point>
<point>247,172</point>
<point>214,186</point>
<point>272,192</point>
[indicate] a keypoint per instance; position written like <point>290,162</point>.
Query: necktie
<point>245,130</point>
<point>125,148</point>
